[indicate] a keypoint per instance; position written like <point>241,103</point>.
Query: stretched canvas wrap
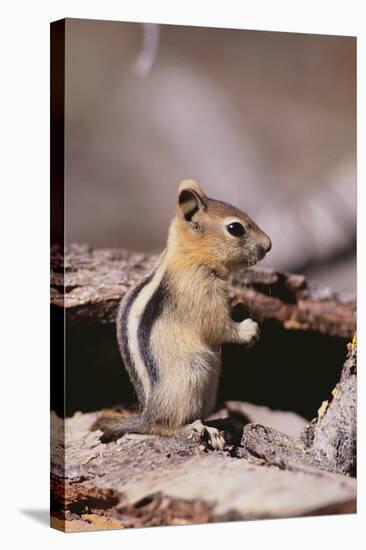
<point>203,275</point>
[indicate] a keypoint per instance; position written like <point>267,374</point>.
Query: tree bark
<point>275,465</point>
<point>90,283</point>
<point>151,480</point>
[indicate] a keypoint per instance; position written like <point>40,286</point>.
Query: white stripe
<point>133,323</point>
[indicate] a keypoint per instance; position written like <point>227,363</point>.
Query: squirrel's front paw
<point>249,332</point>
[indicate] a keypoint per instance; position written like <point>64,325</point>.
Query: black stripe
<point>152,312</point>
<point>129,363</point>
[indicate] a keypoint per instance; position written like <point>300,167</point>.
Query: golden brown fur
<point>183,310</point>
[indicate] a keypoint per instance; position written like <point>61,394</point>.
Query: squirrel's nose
<point>267,244</point>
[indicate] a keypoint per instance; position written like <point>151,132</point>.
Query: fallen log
<point>90,283</point>
<point>144,480</point>
<point>279,466</point>
<point>147,480</point>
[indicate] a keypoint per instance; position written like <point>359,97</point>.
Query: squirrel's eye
<point>236,229</point>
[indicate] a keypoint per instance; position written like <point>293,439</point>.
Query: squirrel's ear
<point>191,199</point>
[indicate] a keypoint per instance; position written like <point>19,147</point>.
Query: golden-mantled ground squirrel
<point>171,325</point>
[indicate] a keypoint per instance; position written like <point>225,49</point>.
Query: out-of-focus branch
<point>150,46</point>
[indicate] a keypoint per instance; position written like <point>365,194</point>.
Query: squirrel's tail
<point>113,427</point>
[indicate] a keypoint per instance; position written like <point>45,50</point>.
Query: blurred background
<point>264,120</point>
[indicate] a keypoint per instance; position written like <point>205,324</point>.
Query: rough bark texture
<point>331,437</point>
<point>328,442</point>
<point>90,283</point>
<point>150,480</point>
<point>274,465</point>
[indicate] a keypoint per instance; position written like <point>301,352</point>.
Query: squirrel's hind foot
<point>208,433</point>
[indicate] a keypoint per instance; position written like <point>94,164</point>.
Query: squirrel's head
<point>215,232</point>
